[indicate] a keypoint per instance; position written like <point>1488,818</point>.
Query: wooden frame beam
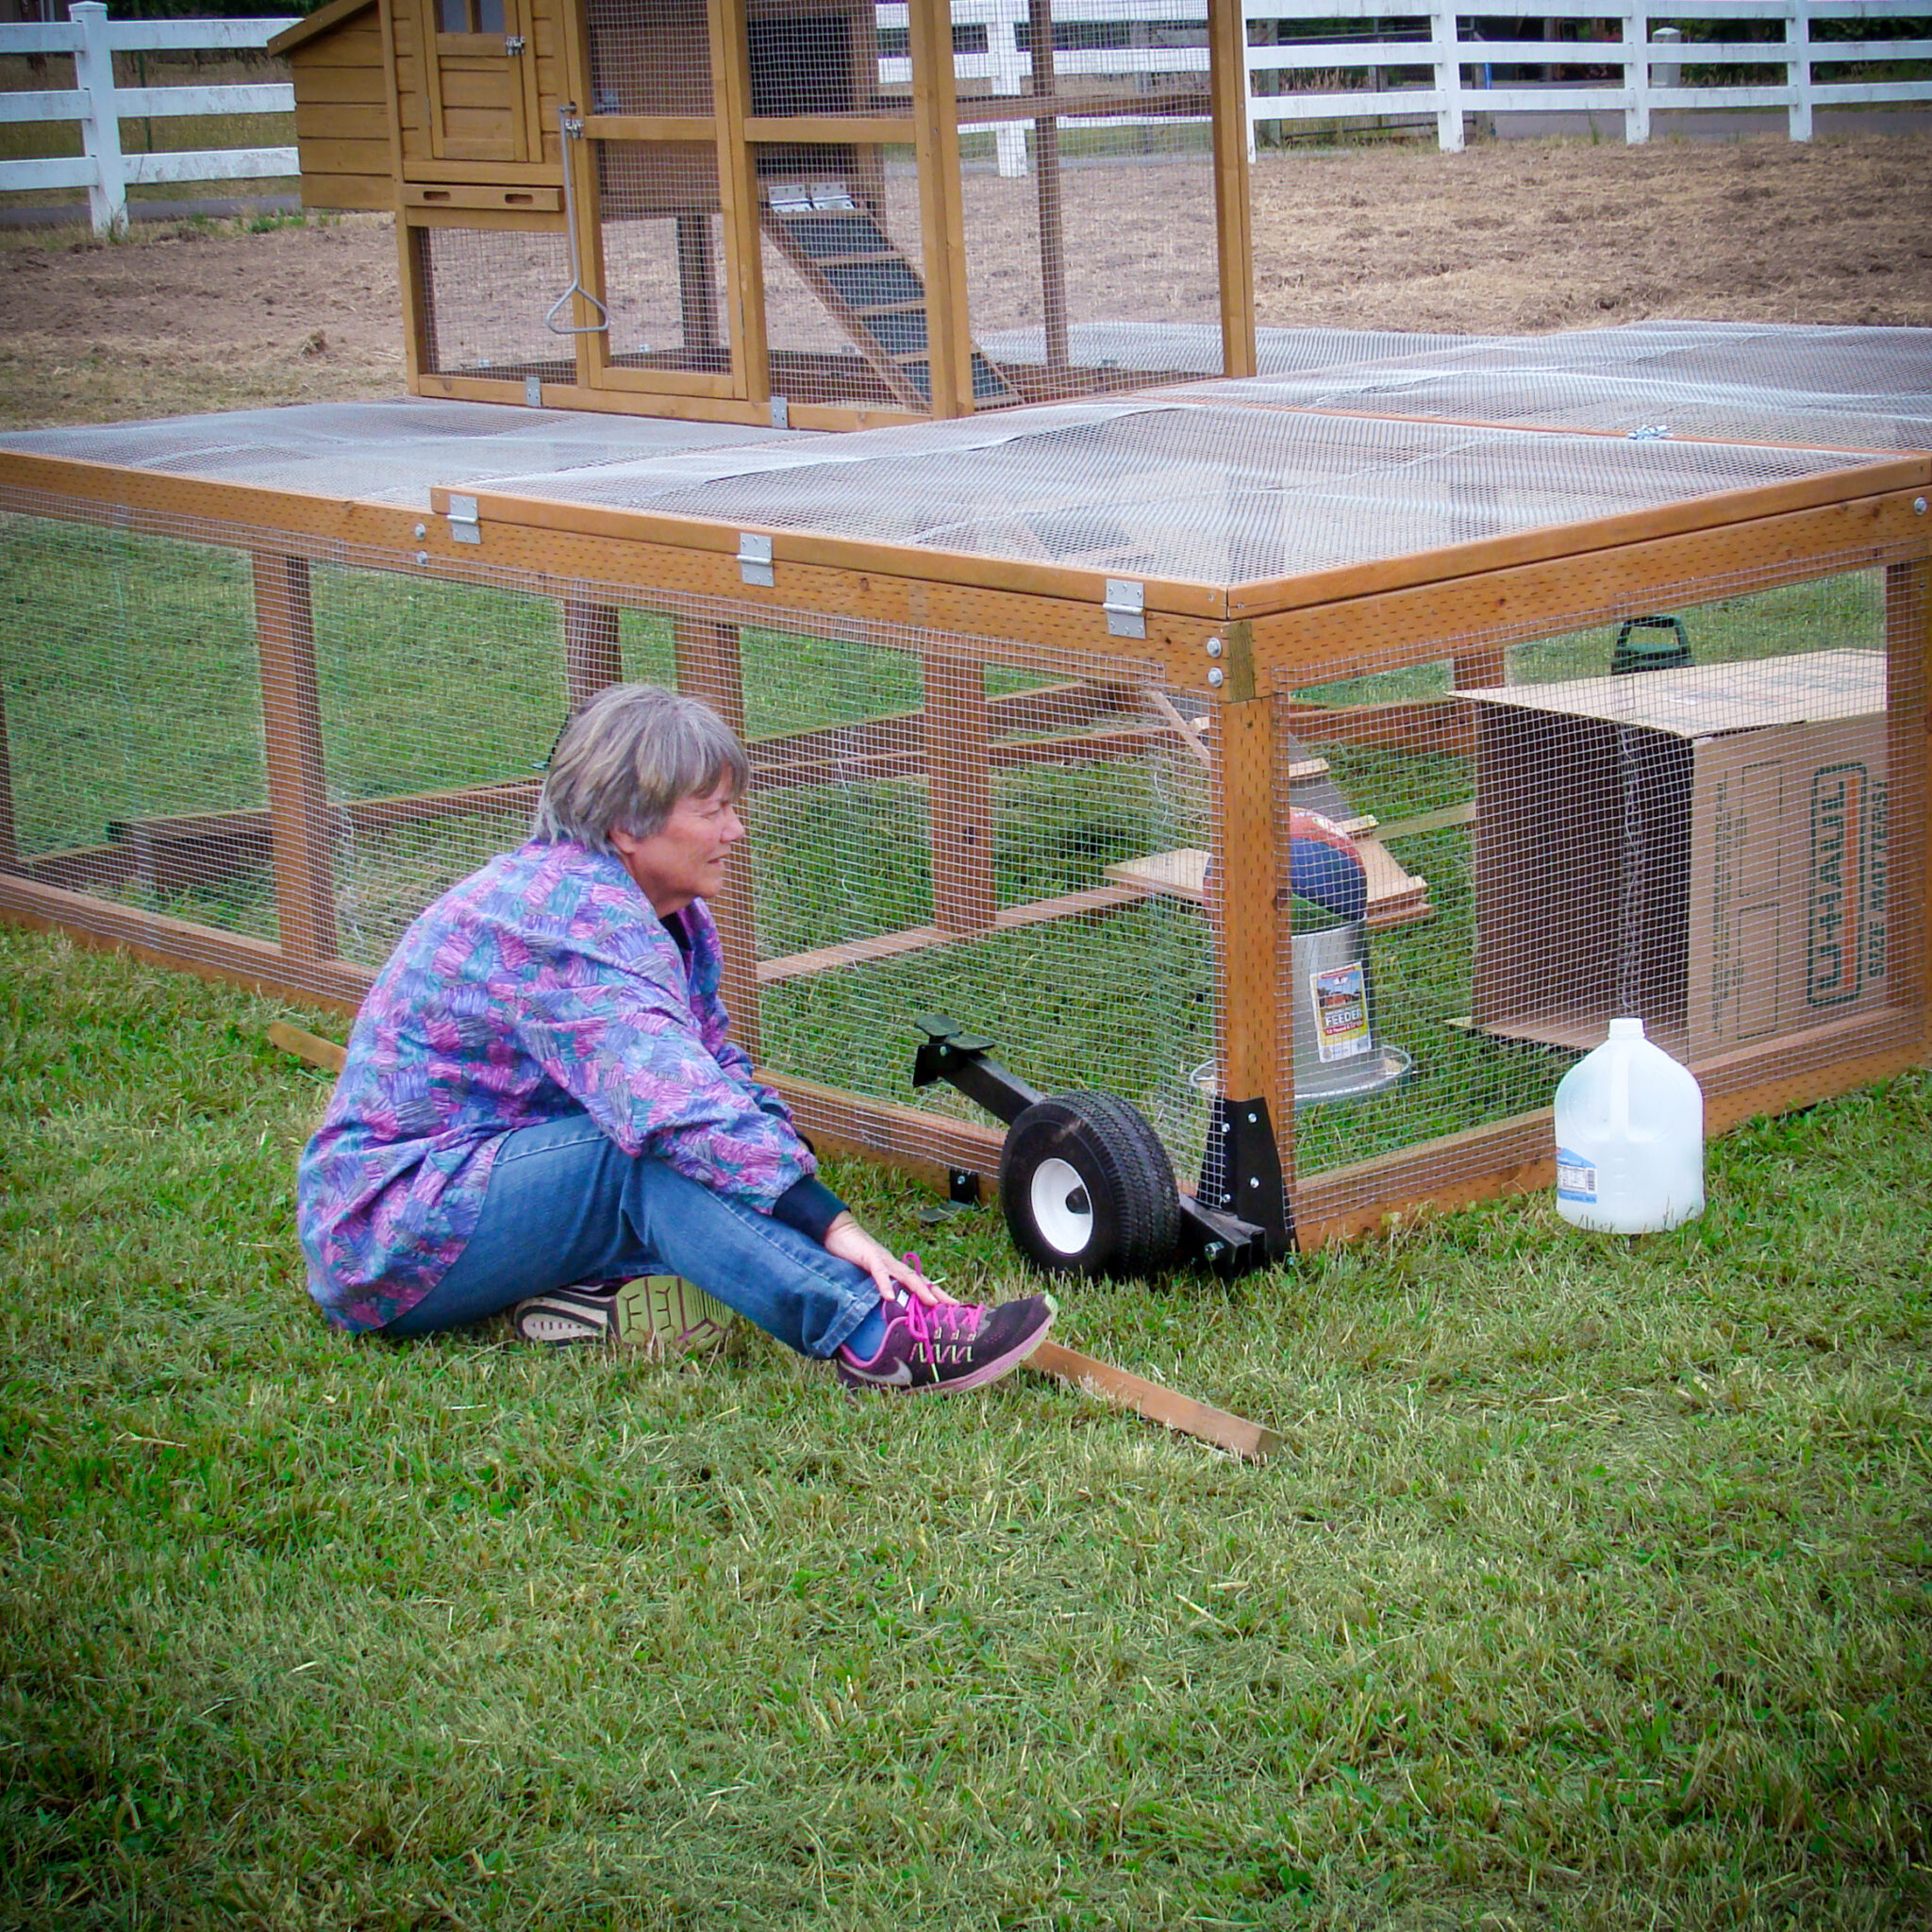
<point>1228,69</point>
<point>1242,890</point>
<point>711,666</point>
<point>941,207</point>
<point>297,784</point>
<point>1909,780</point>
<point>960,792</point>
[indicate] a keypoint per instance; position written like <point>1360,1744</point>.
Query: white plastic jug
<point>1629,1137</point>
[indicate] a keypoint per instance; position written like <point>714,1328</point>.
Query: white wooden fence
<point>101,168</point>
<point>1647,50</point>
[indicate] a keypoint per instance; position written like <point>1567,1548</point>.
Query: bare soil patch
<point>1510,236</point>
<point>1528,236</point>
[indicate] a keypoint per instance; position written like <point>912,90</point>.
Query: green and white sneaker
<point>660,1313</point>
<point>671,1316</point>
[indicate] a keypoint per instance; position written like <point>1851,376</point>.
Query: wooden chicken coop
<point>1276,754</point>
<point>766,210</point>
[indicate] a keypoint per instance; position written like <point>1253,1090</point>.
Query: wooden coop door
<point>481,80</point>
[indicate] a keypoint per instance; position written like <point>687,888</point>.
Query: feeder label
<point>1576,1176</point>
<point>1341,1011</point>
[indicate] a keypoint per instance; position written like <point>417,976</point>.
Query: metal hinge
<point>464,526</point>
<point>781,413</point>
<point>1126,609</point>
<point>755,558</point>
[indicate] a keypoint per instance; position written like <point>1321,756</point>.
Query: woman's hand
<point>895,1278</point>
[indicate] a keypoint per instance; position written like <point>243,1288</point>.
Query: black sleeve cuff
<point>808,1206</point>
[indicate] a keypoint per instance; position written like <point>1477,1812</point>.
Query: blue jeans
<point>566,1205</point>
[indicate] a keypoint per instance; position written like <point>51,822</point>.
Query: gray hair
<point>626,758</point>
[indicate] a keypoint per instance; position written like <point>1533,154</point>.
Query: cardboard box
<point>1702,847</point>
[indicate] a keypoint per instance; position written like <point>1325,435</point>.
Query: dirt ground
<point>1513,236</point>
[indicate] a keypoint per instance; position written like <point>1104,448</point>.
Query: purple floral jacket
<point>542,985</point>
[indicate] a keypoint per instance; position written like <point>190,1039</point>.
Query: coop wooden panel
<point>1515,598</point>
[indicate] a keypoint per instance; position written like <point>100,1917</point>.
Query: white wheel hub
<point>1061,1210</point>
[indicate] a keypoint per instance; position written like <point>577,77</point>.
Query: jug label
<point>1576,1176</point>
<point>1341,1011</point>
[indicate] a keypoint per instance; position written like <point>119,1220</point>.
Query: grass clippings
<point>1591,1589</point>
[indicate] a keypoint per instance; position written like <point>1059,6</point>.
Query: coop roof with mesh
<point>1202,492</point>
<point>1859,389</point>
<point>392,452</point>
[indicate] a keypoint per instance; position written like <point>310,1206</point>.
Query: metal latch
<point>512,43</point>
<point>464,527</point>
<point>755,558</point>
<point>1126,609</point>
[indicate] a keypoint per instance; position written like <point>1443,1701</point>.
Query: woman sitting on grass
<point>541,1100</point>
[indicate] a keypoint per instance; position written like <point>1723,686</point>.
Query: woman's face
<point>684,859</point>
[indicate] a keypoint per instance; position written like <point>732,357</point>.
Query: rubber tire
<point>1124,1169</point>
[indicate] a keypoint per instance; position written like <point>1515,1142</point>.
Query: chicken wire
<point>378,452</point>
<point>1211,493</point>
<point>647,57</point>
<point>936,823</point>
<point>1687,810</point>
<point>1859,389</point>
<point>662,257</point>
<point>1106,185</point>
<point>485,293</point>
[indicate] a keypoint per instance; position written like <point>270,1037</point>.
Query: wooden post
<point>292,725</point>
<point>1227,63</point>
<point>958,769</point>
<point>1046,182</point>
<point>10,839</point>
<point>738,202</point>
<point>710,667</point>
<point>697,284</point>
<point>1246,903</point>
<point>941,207</point>
<point>1909,780</point>
<point>591,657</point>
<point>419,331</point>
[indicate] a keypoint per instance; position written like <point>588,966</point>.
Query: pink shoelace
<point>948,1323</point>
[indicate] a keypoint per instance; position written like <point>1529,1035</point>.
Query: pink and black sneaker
<point>951,1347</point>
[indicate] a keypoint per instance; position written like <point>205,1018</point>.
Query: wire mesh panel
<point>932,834</point>
<point>378,452</point>
<point>438,702</point>
<point>1215,494</point>
<point>1682,812</point>
<point>132,723</point>
<point>1089,194</point>
<point>648,56</point>
<point>663,253</point>
<point>486,293</point>
<point>251,736</point>
<point>823,59</point>
<point>1867,388</point>
<point>844,280</point>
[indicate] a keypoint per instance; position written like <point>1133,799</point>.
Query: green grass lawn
<point>1591,1589</point>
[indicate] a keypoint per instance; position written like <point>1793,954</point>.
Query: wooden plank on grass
<point>1124,1390</point>
<point>311,1047</point>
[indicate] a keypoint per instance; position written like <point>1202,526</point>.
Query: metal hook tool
<point>572,129</point>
